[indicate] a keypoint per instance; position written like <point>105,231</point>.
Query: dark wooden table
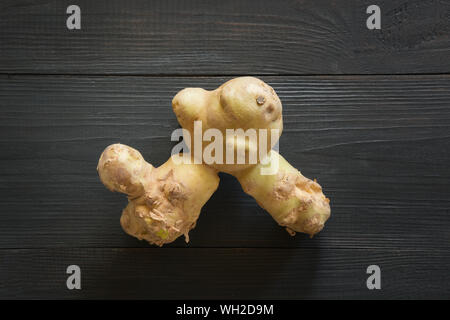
<point>366,112</point>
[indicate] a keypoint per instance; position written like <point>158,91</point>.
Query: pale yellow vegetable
<point>165,202</point>
<point>294,201</point>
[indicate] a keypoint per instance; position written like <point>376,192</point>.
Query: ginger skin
<point>165,202</point>
<point>241,103</point>
<point>294,201</point>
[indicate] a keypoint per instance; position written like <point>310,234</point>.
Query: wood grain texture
<point>378,145</point>
<point>225,37</point>
<point>153,273</point>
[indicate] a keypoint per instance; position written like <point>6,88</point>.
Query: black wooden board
<point>378,145</point>
<point>220,273</point>
<point>225,37</point>
<point>377,141</point>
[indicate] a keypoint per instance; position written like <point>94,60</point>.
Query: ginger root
<point>295,202</point>
<point>165,202</point>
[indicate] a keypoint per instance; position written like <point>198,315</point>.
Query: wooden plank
<point>378,145</point>
<point>171,273</point>
<point>225,37</point>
